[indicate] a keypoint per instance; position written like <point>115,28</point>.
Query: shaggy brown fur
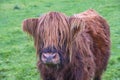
<point>50,30</point>
<point>83,41</point>
<point>91,36</point>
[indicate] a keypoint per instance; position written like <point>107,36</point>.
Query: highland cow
<point>70,48</point>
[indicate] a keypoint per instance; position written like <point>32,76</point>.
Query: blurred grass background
<point>17,54</point>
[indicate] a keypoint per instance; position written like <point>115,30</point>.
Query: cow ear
<point>75,29</point>
<point>74,26</point>
<point>30,25</point>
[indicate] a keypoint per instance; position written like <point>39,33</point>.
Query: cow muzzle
<point>50,58</point>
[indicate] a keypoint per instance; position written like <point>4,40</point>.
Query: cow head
<point>51,37</point>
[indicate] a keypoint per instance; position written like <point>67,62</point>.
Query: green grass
<point>17,54</point>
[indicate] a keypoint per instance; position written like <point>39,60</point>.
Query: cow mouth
<point>53,66</point>
<point>50,64</point>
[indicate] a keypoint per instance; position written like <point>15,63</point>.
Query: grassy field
<point>17,54</point>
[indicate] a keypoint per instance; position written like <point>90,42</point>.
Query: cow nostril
<point>54,56</point>
<point>44,56</point>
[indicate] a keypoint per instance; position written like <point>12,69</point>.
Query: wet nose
<point>49,57</point>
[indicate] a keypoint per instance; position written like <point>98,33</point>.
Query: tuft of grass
<point>17,54</point>
<point>16,7</point>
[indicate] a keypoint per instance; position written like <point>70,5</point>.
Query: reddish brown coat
<point>85,37</point>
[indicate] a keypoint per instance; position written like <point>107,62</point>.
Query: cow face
<point>51,36</point>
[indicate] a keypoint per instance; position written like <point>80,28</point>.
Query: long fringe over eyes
<point>52,30</point>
